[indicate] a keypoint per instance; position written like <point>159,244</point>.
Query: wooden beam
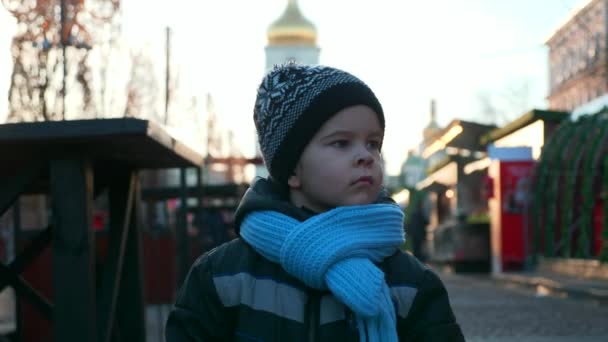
<point>130,310</point>
<point>38,244</point>
<point>207,191</point>
<point>24,290</point>
<point>71,184</point>
<point>181,235</point>
<point>234,160</point>
<point>12,187</point>
<point>121,209</point>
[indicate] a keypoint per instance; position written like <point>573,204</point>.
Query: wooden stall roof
<point>523,121</point>
<point>468,138</point>
<point>134,142</point>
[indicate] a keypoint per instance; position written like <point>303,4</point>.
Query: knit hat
<point>294,101</point>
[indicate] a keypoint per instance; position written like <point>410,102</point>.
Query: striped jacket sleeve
<point>198,314</point>
<point>430,318</point>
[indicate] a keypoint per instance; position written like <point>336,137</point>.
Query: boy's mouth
<point>365,180</point>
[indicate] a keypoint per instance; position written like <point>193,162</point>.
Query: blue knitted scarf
<point>336,250</point>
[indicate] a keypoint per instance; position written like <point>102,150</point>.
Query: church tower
<point>432,128</point>
<point>291,37</point>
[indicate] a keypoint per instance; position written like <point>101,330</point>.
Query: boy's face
<point>342,164</point>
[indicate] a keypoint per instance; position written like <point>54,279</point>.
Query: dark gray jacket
<point>233,293</point>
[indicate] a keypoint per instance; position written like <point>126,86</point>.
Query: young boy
<point>317,258</point>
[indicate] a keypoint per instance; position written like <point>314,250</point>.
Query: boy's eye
<point>339,143</point>
<point>374,145</point>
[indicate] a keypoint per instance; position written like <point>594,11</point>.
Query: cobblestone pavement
<point>490,311</point>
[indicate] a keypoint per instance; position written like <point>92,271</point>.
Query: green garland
<point>571,167</point>
<point>573,164</point>
<point>573,187</point>
<point>591,174</point>
<point>539,183</point>
<point>554,182</point>
<point>550,149</point>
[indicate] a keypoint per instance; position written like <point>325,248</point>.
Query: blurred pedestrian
<point>417,230</point>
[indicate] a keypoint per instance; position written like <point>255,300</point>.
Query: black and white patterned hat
<point>294,101</point>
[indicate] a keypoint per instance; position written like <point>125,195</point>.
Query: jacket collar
<point>266,194</point>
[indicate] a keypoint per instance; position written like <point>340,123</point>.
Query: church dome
<point>292,28</point>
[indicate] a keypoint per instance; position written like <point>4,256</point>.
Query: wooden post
<point>130,310</point>
<point>183,247</point>
<point>121,194</point>
<point>74,317</point>
<point>18,334</point>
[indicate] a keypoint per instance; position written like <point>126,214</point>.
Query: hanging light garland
<point>572,175</point>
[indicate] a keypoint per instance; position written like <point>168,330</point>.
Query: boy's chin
<point>360,200</point>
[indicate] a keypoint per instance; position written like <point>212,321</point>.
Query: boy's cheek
<point>381,172</point>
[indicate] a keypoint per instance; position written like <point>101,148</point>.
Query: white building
<point>291,37</point>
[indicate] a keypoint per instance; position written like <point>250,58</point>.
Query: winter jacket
<point>232,293</point>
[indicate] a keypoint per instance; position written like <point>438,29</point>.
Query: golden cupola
<point>292,28</point>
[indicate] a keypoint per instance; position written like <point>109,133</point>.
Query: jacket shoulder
<point>403,268</point>
<point>237,256</point>
<point>226,258</point>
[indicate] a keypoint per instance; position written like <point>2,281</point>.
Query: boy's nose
<point>364,158</point>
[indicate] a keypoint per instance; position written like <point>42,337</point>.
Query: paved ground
<point>494,311</point>
<point>7,311</point>
<point>156,316</point>
<point>490,311</point>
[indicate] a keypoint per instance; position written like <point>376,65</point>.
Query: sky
<point>408,52</point>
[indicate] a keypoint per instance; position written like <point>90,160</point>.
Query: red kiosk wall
<point>511,191</point>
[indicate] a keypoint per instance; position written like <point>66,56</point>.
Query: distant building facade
<point>578,60</point>
<point>414,168</point>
